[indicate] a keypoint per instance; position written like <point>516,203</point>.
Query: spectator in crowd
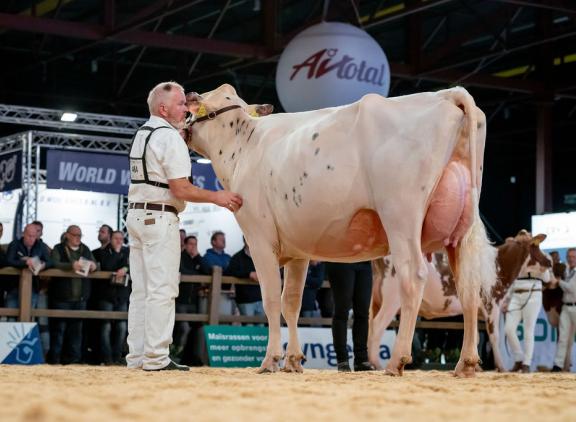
<point>113,295</point>
<point>352,289</point>
<point>568,314</point>
<point>314,280</point>
<point>248,296</point>
<point>325,301</point>
<point>40,229</point>
<point>182,239</point>
<point>187,300</point>
<point>26,252</point>
<point>104,237</point>
<point>215,256</point>
<point>69,293</point>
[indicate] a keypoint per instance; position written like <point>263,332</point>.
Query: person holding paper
<point>26,252</point>
<point>69,293</point>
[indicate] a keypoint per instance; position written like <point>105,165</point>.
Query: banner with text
<point>87,171</point>
<point>20,343</point>
<point>232,346</point>
<point>10,171</point>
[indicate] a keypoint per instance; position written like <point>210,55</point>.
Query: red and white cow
<point>382,175</point>
<point>440,297</point>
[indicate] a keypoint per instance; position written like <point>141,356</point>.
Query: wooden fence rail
<point>25,312</point>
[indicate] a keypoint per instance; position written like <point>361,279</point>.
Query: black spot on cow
<point>237,121</point>
<point>305,174</point>
<point>223,125</point>
<point>293,189</point>
<point>270,173</point>
<point>393,271</point>
<point>480,168</point>
<point>316,151</point>
<point>233,155</point>
<point>249,136</point>
<point>227,98</point>
<point>220,152</point>
<point>314,136</point>
<point>286,196</point>
<point>422,188</point>
<point>329,167</point>
<point>231,124</point>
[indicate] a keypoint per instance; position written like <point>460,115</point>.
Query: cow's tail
<point>476,256</point>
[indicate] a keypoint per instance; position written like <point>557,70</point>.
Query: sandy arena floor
<point>83,393</point>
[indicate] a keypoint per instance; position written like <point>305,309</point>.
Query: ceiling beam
<point>143,38</point>
<point>561,6</point>
<point>407,10</point>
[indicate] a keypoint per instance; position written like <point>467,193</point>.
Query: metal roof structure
<point>516,57</point>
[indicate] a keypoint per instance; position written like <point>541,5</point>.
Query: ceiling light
<point>68,117</point>
<point>203,161</point>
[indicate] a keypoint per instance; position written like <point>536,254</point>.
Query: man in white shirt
<point>159,167</point>
<point>568,314</point>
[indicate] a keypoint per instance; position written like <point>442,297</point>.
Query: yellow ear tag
<point>201,111</point>
<point>253,113</point>
<point>536,241</point>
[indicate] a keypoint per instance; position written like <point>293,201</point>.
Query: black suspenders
<point>138,169</point>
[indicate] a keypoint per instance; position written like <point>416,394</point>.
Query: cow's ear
<point>536,240</point>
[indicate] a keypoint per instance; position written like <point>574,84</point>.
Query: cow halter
<point>212,115</point>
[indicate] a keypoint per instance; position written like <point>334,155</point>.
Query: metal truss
<point>31,142</point>
<point>92,122</point>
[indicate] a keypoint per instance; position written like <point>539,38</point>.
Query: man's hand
<point>253,276</point>
<point>121,272</point>
<point>227,199</point>
<point>77,266</point>
<point>92,266</point>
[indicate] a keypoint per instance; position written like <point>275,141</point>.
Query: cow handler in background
<point>159,168</point>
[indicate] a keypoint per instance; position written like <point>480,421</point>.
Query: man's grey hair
<point>158,94</point>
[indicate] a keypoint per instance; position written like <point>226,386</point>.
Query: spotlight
<point>68,117</point>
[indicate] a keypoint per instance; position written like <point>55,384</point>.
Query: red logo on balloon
<point>324,61</point>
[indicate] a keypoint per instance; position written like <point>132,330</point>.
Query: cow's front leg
<point>493,329</point>
<point>294,280</point>
<point>268,272</point>
<point>412,274</point>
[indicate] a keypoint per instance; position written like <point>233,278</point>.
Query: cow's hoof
<point>294,363</point>
<point>270,365</point>
<point>467,368</point>
<point>397,369</point>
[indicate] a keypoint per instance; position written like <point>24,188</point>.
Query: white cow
<point>440,298</point>
<point>351,183</point>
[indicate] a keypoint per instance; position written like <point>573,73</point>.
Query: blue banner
<point>87,171</point>
<point>204,177</point>
<point>20,343</point>
<point>109,173</point>
<point>10,171</point>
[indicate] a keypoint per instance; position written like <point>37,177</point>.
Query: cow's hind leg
<point>412,274</point>
<point>379,323</point>
<point>470,300</point>
<point>294,279</point>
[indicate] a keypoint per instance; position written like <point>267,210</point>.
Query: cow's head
<point>213,110</point>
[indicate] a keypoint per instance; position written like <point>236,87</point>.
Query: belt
<point>569,304</point>
<point>152,207</point>
<point>527,290</point>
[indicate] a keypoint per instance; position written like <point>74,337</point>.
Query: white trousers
<point>523,307</point>
<point>154,268</point>
<point>565,327</point>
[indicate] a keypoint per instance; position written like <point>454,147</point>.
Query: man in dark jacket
<point>186,333</point>
<point>26,252</point>
<point>248,296</point>
<point>69,293</point>
<point>113,295</point>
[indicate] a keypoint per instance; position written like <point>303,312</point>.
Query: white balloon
<point>330,64</point>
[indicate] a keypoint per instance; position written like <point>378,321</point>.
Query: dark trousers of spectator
<point>112,332</point>
<point>182,328</point>
<point>352,289</point>
<point>66,335</point>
